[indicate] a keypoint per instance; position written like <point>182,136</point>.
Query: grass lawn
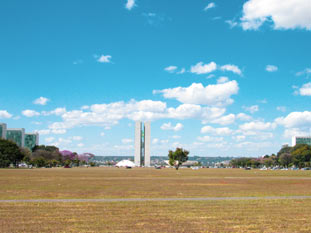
<point>208,216</point>
<point>58,183</point>
<point>154,216</point>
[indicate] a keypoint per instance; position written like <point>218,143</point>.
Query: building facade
<point>142,144</point>
<point>301,140</point>
<point>22,139</point>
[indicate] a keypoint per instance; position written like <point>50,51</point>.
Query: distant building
<point>22,139</point>
<point>142,144</point>
<point>17,136</point>
<point>301,140</point>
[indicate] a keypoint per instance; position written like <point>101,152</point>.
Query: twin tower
<point>142,144</point>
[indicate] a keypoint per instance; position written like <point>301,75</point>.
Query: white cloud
<point>102,134</point>
<point>257,125</point>
<point>295,120</point>
<point>239,138</point>
<point>176,136</point>
<point>104,59</point>
<point>306,71</point>
<point>30,113</point>
<point>225,120</point>
<point>210,6</point>
<point>169,126</point>
<point>43,131</point>
<point>222,80</point>
<point>251,109</point>
<point>216,131</point>
<point>80,145</point>
<point>41,101</point>
<point>127,140</point>
<point>201,68</point>
<point>210,139</point>
<point>233,68</point>
<point>231,23</point>
<point>56,111</point>
<point>77,138</point>
<point>289,133</point>
<point>130,4</point>
<point>216,95</point>
<point>289,14</point>
<point>183,70</point>
<point>244,117</point>
<point>271,68</point>
<point>305,90</point>
<point>171,69</point>
<point>108,115</point>
<point>5,114</point>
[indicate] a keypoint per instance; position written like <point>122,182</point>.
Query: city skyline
<point>217,78</point>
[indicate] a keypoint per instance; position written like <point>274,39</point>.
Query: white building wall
<point>147,144</point>
<point>137,155</point>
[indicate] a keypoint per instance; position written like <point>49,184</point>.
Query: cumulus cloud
<point>210,6</point>
<point>56,111</point>
<point>210,139</point>
<point>171,69</point>
<point>222,80</point>
<point>201,68</point>
<point>130,4</point>
<point>271,68</point>
<point>41,101</point>
<point>252,109</point>
<point>244,117</point>
<point>5,114</point>
<point>233,68</point>
<point>289,14</point>
<point>216,131</point>
<point>104,59</point>
<point>305,90</point>
<point>107,115</point>
<point>216,95</point>
<point>30,113</point>
<point>257,125</point>
<point>169,126</point>
<point>296,120</point>
<point>225,120</point>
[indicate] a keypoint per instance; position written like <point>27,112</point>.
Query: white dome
<point>125,163</point>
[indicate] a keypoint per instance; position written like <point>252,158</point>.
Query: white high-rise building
<point>142,144</point>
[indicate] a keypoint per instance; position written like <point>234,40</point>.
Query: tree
<point>10,153</point>
<point>177,157</point>
<point>285,159</point>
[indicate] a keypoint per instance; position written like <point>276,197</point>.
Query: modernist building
<point>301,140</point>
<point>142,144</point>
<point>22,139</point>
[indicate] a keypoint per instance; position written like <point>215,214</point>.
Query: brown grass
<point>132,183</point>
<point>208,216</point>
<point>165,216</point>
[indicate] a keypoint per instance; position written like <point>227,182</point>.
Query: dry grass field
<point>154,216</point>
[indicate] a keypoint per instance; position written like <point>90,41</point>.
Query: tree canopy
<point>10,153</point>
<point>177,157</point>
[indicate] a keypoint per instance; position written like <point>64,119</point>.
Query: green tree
<point>177,157</point>
<point>10,153</point>
<point>285,159</point>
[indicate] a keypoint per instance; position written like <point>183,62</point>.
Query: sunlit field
<point>154,216</point>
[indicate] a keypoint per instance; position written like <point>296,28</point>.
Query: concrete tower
<point>142,144</point>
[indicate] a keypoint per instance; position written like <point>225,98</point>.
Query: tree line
<point>298,156</point>
<point>40,156</point>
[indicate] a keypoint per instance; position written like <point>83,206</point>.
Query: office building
<point>142,144</point>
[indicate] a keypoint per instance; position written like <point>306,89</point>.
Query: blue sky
<point>219,78</point>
